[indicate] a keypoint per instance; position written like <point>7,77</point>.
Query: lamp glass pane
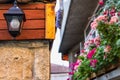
<point>15,24</point>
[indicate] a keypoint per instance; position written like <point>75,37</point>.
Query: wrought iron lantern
<point>15,18</point>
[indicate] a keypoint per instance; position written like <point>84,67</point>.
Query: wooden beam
<point>30,14</point>
<point>25,35</point>
<point>50,21</point>
<point>29,6</point>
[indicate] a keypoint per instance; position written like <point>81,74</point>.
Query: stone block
<point>42,66</point>
<point>16,63</point>
<point>24,61</point>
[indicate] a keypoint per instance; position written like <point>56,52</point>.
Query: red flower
<point>105,12</point>
<point>112,12</point>
<point>91,53</point>
<point>101,3</point>
<point>118,13</point>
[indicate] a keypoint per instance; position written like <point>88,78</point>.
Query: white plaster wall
<point>59,76</point>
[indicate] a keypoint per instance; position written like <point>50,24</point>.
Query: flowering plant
<point>104,49</point>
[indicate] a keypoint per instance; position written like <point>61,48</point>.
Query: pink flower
<point>107,49</point>
<point>82,51</point>
<point>101,3</point>
<point>91,41</point>
<point>101,18</point>
<point>68,78</point>
<point>77,64</point>
<point>113,19</point>
<point>97,40</point>
<point>91,53</point>
<point>71,73</point>
<point>83,54</point>
<point>86,44</point>
<point>94,24</point>
<point>93,62</point>
<point>76,67</point>
<point>71,66</point>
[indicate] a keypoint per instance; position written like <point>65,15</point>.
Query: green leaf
<point>118,43</point>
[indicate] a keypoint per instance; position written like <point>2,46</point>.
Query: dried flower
<point>105,56</point>
<point>107,49</point>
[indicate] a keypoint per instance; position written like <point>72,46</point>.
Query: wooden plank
<point>25,35</point>
<point>31,34</point>
<point>30,14</point>
<point>34,14</point>
<point>29,24</point>
<point>50,21</point>
<point>24,6</point>
<point>1,13</point>
<point>3,24</point>
<point>34,24</point>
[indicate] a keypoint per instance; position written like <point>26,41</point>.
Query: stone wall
<point>24,60</point>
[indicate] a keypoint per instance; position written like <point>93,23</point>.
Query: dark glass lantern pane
<point>14,23</point>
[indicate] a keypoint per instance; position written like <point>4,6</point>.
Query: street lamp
<point>14,18</point>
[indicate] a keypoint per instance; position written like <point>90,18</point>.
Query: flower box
<point>104,71</point>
